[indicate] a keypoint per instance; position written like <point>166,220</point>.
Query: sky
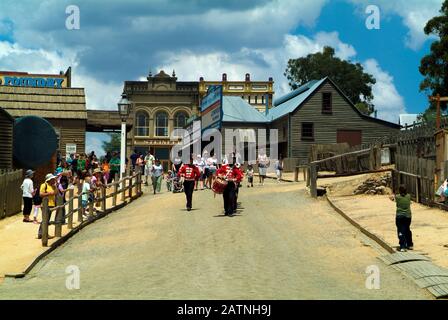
<point>124,40</point>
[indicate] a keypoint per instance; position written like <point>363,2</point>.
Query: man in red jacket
<point>232,175</point>
<point>190,173</point>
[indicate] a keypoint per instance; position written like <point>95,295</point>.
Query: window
<point>141,124</point>
<point>326,103</point>
<point>161,124</point>
<point>307,131</point>
<point>256,99</point>
<point>262,99</point>
<point>248,99</point>
<point>180,120</point>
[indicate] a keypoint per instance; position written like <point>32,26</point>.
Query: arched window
<point>141,124</point>
<point>161,124</point>
<point>180,120</point>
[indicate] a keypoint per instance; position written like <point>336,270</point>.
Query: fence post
<point>58,219</point>
<point>91,206</point>
<point>80,209</point>
<point>44,223</point>
<point>70,209</point>
<point>123,189</point>
<point>103,198</point>
<point>417,193</point>
<point>114,197</point>
<point>313,180</point>
<point>130,187</point>
<point>296,174</point>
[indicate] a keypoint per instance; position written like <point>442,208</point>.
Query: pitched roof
<point>289,102</point>
<point>236,109</point>
<point>65,103</point>
<point>293,100</point>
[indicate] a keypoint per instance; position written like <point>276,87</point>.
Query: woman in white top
<point>200,163</point>
<point>27,194</point>
<point>263,164</point>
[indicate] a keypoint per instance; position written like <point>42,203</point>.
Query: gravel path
<point>282,245</point>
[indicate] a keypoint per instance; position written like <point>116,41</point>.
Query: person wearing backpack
<point>48,190</point>
<point>279,168</point>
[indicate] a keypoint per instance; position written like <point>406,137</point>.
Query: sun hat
<point>29,173</point>
<point>97,170</point>
<point>49,176</point>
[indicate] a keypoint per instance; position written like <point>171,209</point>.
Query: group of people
<point>84,171</point>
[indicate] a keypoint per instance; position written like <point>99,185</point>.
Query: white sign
<point>69,149</point>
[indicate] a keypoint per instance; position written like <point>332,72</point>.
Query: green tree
<point>434,66</point>
<point>113,144</point>
<point>350,77</point>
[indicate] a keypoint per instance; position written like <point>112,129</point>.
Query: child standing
<point>169,180</point>
<point>403,219</point>
<point>250,176</point>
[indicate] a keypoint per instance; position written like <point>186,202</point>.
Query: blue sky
<point>122,40</point>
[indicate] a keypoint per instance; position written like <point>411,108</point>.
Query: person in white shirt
<point>263,164</point>
<point>27,194</point>
<point>149,161</point>
<point>200,163</point>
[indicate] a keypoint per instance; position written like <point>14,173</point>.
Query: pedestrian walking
<point>279,168</point>
<point>48,190</point>
<point>263,164</point>
<point>139,164</point>
<point>250,176</point>
<point>157,176</point>
<point>114,166</point>
<point>27,195</point>
<point>403,218</point>
<point>190,174</point>
<point>200,164</point>
<point>169,180</point>
<point>149,161</point>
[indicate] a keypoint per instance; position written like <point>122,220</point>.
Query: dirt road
<point>282,245</point>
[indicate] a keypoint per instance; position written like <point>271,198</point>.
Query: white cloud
<point>99,94</point>
<point>260,63</point>
<point>388,102</point>
<point>414,13</point>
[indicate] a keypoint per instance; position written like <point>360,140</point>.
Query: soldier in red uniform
<point>232,175</point>
<point>240,176</point>
<point>190,173</point>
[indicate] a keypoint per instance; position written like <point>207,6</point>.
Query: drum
<point>219,185</point>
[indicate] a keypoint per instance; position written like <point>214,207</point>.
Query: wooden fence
<point>122,192</point>
<point>356,162</point>
<point>416,163</point>
<point>10,192</point>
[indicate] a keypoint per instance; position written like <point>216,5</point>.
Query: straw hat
<point>49,176</point>
<point>97,170</point>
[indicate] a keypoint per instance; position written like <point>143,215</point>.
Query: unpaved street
<point>282,245</point>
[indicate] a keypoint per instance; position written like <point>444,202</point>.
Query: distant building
<point>159,105</point>
<point>256,93</point>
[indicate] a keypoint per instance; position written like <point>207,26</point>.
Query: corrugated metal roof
<point>289,102</point>
<point>238,110</point>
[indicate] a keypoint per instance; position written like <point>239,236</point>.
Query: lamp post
<point>124,109</point>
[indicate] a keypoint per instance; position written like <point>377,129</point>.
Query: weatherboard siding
<point>326,125</point>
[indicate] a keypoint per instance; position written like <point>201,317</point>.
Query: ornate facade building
<point>159,105</point>
<point>257,93</point>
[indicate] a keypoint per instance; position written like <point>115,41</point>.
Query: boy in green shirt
<point>403,219</point>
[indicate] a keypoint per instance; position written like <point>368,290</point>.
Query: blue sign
<point>31,82</point>
<point>211,108</point>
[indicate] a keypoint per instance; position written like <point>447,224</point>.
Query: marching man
<point>190,174</point>
<point>232,174</point>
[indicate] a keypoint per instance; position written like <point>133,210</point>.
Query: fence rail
<point>10,194</point>
<point>65,212</point>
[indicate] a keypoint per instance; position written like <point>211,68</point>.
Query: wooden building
<point>257,93</point>
<point>320,113</point>
<point>49,97</point>
<point>6,139</point>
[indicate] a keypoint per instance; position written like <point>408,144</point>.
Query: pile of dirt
<point>376,184</point>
